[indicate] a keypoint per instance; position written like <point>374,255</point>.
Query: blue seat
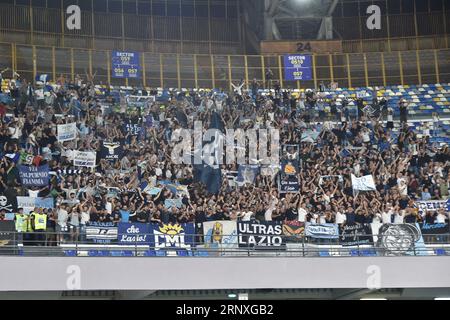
<point>70,253</point>
<point>324,253</point>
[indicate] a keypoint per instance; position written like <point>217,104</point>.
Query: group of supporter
<point>406,166</point>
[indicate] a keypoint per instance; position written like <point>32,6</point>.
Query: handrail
<point>48,244</point>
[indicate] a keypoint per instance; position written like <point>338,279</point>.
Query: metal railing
<point>70,244</point>
<point>219,71</point>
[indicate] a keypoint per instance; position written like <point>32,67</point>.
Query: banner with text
<point>355,234</point>
<point>322,231</point>
<point>125,64</point>
<point>432,205</point>
<point>434,228</point>
<point>29,203</point>
<point>297,67</point>
<point>84,158</point>
<point>111,151</point>
<point>261,235</point>
<point>135,233</point>
<point>67,132</point>
<point>32,176</point>
<point>173,239</point>
<point>101,232</point>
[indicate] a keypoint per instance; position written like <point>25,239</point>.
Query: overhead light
<point>373,299</point>
<point>442,298</point>
<point>232,295</point>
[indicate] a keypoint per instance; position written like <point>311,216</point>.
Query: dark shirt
<point>351,217</point>
<point>143,215</point>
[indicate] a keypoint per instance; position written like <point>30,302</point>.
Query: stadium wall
<point>218,71</point>
<point>65,273</point>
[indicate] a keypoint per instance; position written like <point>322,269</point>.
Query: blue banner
<point>322,231</point>
<point>135,233</point>
<point>125,64</point>
<point>432,205</point>
<point>434,228</point>
<point>297,67</point>
<point>174,239</point>
<point>32,176</point>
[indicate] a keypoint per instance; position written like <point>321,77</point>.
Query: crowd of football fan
<point>406,167</point>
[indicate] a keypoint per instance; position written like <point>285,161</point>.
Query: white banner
<point>84,159</point>
<point>67,132</point>
<point>365,183</point>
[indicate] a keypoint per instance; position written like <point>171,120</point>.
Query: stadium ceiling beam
<point>294,17</point>
<point>332,7</point>
<point>326,25</point>
<point>271,7</point>
<point>283,11</point>
<point>278,10</point>
<point>271,31</point>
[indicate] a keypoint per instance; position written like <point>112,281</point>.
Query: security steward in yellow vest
<point>21,220</point>
<point>38,224</point>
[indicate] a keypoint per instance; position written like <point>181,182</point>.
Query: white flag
<point>365,183</point>
<point>67,132</point>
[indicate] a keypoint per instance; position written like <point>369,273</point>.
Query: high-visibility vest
<point>21,222</point>
<point>40,221</point>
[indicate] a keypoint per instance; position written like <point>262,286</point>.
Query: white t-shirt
<point>99,120</point>
<point>386,217</point>
<point>108,207</point>
<point>39,93</point>
<point>366,137</point>
<point>75,219</point>
<point>15,132</point>
<point>357,168</point>
<point>440,218</point>
<point>268,214</point>
<point>62,217</point>
<point>247,216</point>
<point>340,218</point>
<point>33,193</point>
<point>85,217</point>
<point>302,214</point>
<point>68,153</point>
<point>398,218</point>
<point>402,186</point>
<point>322,219</point>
